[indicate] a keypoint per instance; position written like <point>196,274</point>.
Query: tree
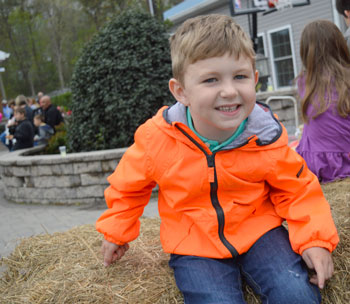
<point>45,38</point>
<point>120,80</point>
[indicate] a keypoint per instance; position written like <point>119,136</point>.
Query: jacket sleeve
<point>298,198</point>
<point>129,192</point>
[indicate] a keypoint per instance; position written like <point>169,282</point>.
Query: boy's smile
<point>220,93</point>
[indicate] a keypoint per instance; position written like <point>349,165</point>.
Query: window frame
<point>262,34</point>
<point>272,58</point>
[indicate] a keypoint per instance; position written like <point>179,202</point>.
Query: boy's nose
<point>228,90</point>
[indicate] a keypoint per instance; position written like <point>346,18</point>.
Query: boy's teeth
<point>228,109</point>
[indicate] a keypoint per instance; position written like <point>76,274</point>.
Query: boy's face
<point>19,116</point>
<point>220,93</point>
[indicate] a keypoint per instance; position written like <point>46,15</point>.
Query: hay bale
<point>67,267</point>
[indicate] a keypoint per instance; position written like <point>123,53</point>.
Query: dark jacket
<point>29,113</point>
<point>24,135</point>
<point>53,117</point>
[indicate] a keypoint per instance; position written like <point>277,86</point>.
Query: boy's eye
<point>240,77</point>
<point>210,80</point>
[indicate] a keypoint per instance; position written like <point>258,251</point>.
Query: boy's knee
<point>294,288</point>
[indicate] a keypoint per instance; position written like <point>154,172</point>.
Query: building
<point>278,33</point>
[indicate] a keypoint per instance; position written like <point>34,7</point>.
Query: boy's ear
<point>256,76</point>
<point>178,91</point>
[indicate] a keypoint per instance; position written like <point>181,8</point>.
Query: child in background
<point>324,89</point>
<point>227,180</point>
<point>44,131</point>
<point>23,133</point>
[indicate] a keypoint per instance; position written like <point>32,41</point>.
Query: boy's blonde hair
<point>205,37</point>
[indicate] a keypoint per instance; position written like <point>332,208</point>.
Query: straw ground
<point>67,267</point>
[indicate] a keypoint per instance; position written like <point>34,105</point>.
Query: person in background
<point>33,104</point>
<point>324,90</point>
<point>10,123</point>
<point>40,94</point>
<point>22,101</point>
<point>53,116</point>
<point>45,131</point>
<point>6,109</point>
<point>343,8</point>
<point>23,133</point>
<point>227,180</point>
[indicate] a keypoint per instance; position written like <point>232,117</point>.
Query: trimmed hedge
<point>120,80</point>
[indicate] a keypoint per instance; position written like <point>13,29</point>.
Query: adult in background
<point>21,101</point>
<point>53,116</point>
<point>343,8</point>
<point>6,109</point>
<point>11,122</point>
<point>39,109</point>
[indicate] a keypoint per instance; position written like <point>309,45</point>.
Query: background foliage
<point>63,100</point>
<point>120,80</point>
<point>45,38</point>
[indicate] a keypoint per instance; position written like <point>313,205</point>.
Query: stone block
<point>94,179</point>
<point>275,105</point>
<point>286,103</point>
<point>7,171</point>
<point>286,114</point>
<point>67,169</point>
<point>109,166</point>
<point>84,167</point>
<point>13,181</point>
<point>21,171</point>
<point>40,170</point>
<point>57,181</point>
<point>91,191</point>
<point>11,193</point>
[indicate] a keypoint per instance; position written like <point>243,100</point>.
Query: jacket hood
<point>261,130</point>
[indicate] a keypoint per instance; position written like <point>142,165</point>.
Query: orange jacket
<point>216,204</point>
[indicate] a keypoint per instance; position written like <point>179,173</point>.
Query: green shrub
<point>58,139</point>
<point>63,100</point>
<point>120,80</point>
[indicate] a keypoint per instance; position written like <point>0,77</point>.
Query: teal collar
<point>213,144</point>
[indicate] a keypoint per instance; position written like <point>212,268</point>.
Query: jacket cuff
<point>316,243</point>
<point>112,240</point>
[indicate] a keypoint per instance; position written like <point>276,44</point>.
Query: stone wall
<point>284,108</point>
<point>78,178</point>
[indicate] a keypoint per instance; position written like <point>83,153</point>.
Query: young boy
<point>227,180</point>
<point>23,133</point>
<point>44,130</point>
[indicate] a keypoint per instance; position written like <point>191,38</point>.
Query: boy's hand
<point>112,252</point>
<point>9,137</point>
<point>319,259</point>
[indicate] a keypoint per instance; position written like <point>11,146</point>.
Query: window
<point>283,63</point>
<point>261,45</point>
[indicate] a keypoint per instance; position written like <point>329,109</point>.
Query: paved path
<point>24,220</point>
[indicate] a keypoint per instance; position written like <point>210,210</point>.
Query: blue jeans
<point>270,267</point>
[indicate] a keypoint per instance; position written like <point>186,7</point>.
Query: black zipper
<point>216,204</point>
<point>214,196</point>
